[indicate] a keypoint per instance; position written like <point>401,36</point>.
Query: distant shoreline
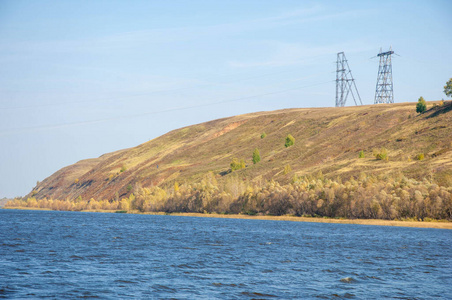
<point>375,222</point>
<point>417,224</point>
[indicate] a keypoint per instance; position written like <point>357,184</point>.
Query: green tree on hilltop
<point>448,88</point>
<point>421,105</point>
<point>256,156</point>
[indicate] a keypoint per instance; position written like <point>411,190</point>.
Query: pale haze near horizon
<point>82,78</point>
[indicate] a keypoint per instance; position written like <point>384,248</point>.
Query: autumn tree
<point>125,204</point>
<point>256,156</point>
<point>287,169</point>
<point>237,164</point>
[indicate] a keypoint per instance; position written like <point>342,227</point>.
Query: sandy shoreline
<point>417,224</point>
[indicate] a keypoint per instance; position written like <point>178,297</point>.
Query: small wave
<point>95,256</point>
<point>250,294</point>
<point>346,296</point>
<point>75,257</point>
<point>288,261</point>
<point>184,266</point>
<point>85,295</point>
<point>163,288</point>
<point>334,271</point>
<point>6,290</point>
<point>11,245</point>
<point>218,284</point>
<point>125,281</point>
<point>245,263</point>
<point>348,280</point>
<point>374,277</point>
<point>300,270</point>
<point>329,271</point>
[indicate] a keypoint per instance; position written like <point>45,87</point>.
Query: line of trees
<point>368,196</point>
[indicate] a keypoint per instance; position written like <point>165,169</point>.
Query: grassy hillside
<point>326,139</point>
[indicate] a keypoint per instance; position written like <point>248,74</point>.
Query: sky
<point>82,78</point>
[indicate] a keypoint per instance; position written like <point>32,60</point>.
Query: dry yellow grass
<point>326,139</point>
<point>417,224</point>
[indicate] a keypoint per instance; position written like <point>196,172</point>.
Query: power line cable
<point>150,93</point>
<point>25,129</point>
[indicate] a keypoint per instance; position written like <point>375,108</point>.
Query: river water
<point>49,254</point>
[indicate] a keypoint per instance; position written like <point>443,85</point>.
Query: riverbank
<point>439,224</point>
<point>417,224</point>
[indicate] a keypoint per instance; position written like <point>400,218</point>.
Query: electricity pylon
<point>384,92</point>
<point>344,82</point>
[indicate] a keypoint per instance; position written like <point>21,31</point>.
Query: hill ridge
<point>326,140</point>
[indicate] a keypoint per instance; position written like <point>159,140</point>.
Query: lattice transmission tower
<point>345,84</point>
<point>384,93</point>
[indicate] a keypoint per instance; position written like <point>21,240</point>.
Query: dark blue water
<point>83,255</point>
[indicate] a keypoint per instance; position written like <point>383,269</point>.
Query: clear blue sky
<point>82,78</point>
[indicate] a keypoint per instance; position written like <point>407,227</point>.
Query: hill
<point>377,161</point>
<point>326,139</point>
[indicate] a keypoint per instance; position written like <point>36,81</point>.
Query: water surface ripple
<point>47,254</point>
